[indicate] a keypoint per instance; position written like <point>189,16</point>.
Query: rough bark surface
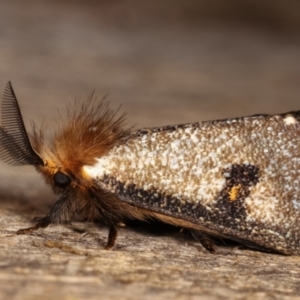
<point>167,65</point>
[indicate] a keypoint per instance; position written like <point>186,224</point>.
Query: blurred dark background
<point>166,61</point>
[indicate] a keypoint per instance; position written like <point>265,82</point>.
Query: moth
<point>235,179</point>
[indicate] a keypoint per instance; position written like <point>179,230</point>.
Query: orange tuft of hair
<point>89,131</point>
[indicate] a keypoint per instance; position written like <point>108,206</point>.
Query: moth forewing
<point>235,178</point>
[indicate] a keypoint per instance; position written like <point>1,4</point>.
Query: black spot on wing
<point>239,179</point>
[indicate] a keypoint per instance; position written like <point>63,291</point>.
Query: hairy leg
<point>61,212</point>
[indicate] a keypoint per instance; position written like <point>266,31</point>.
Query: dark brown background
<point>167,62</point>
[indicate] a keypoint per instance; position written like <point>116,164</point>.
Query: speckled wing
<point>237,178</point>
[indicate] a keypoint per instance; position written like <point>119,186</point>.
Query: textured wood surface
<point>165,64</point>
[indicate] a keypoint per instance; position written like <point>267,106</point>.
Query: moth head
<point>89,130</point>
<point>60,179</point>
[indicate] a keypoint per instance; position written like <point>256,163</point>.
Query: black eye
<point>61,179</point>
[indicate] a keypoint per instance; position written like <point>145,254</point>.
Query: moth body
<point>234,178</point>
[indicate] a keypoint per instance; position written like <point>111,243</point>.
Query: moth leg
<point>60,213</point>
<point>204,240</point>
<point>112,236</point>
<point>41,223</point>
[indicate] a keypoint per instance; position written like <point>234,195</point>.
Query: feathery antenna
<point>15,147</point>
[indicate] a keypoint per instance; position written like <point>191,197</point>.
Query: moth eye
<point>61,179</point>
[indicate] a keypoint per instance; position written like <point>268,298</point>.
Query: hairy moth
<point>236,179</point>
